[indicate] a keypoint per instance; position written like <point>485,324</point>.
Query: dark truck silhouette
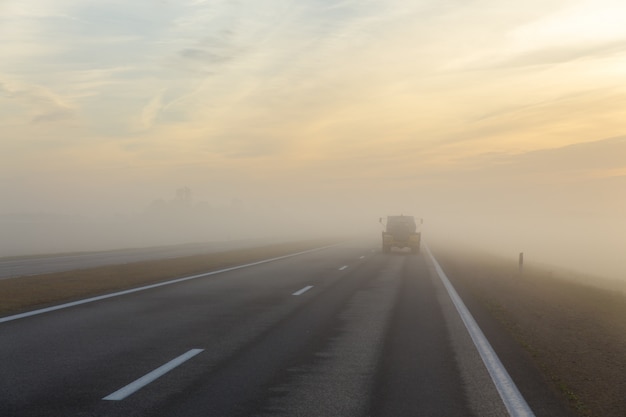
<point>401,232</point>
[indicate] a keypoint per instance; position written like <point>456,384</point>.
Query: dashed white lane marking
<point>147,287</point>
<point>343,267</point>
<point>362,257</point>
<point>303,290</point>
<point>511,397</point>
<point>148,378</point>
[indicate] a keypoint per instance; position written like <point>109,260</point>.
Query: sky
<point>485,117</point>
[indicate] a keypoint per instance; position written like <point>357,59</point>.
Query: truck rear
<point>401,232</point>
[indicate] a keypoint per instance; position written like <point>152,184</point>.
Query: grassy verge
<point>574,331</point>
<point>26,293</point>
<point>504,316</point>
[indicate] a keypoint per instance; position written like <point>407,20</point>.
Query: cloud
<point>40,103</point>
<point>542,169</point>
<point>54,116</point>
<point>208,55</point>
<point>203,55</point>
<point>151,111</point>
<point>579,22</point>
<point>562,54</point>
<point>585,157</point>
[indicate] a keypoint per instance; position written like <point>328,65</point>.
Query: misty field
<point>574,332</point>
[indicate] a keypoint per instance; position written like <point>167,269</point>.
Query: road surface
<point>342,331</point>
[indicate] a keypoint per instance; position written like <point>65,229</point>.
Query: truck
<point>401,232</point>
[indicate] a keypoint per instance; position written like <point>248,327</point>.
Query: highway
<point>339,331</point>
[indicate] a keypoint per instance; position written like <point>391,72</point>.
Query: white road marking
<point>303,290</point>
<point>148,378</point>
<point>511,397</point>
<point>362,257</point>
<point>343,267</point>
<point>147,287</point>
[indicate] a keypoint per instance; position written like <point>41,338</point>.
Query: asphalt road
<point>344,331</point>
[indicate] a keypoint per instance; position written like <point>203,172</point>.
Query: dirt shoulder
<point>575,332</point>
<point>30,292</point>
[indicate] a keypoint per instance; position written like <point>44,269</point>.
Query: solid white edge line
<point>303,290</point>
<point>509,393</point>
<point>149,377</point>
<point>147,287</point>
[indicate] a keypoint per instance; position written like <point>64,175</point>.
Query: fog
<point>146,124</point>
<point>579,226</point>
